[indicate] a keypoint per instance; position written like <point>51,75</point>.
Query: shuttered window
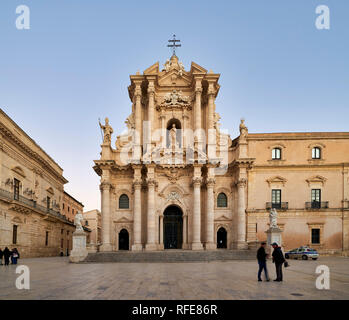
<point>124,202</point>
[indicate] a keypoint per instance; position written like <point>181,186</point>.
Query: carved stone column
<point>210,245</point>
<point>185,232</point>
<point>197,120</point>
<point>138,121</point>
<point>137,210</point>
<point>151,216</point>
<point>211,132</point>
<point>150,113</point>
<point>161,245</point>
<point>196,243</point>
<point>106,221</point>
<point>241,217</point>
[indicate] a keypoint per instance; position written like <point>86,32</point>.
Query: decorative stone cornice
<point>151,182</point>
<point>137,183</point>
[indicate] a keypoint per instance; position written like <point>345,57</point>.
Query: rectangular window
<point>14,234</point>
<point>276,198</point>
<point>316,198</point>
<point>315,236</point>
<point>61,231</point>
<point>16,184</point>
<point>62,243</point>
<point>316,153</point>
<point>276,154</point>
<point>46,239</point>
<point>68,208</point>
<point>48,201</point>
<point>72,211</point>
<point>63,206</point>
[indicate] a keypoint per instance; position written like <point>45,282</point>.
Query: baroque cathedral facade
<point>175,180</point>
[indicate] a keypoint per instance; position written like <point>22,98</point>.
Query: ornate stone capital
<point>151,182</point>
<point>138,92</point>
<point>210,182</point>
<point>241,183</point>
<point>198,90</point>
<point>105,186</point>
<point>197,181</point>
<point>137,183</point>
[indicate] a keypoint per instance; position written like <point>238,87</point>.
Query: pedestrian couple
<point>7,254</point>
<point>278,259</point>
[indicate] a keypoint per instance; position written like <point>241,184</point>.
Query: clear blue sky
<point>277,70</point>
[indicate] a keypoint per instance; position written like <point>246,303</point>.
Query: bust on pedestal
<point>274,232</point>
<point>79,252</point>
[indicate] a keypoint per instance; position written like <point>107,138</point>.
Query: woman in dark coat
<point>7,255</point>
<point>1,254</point>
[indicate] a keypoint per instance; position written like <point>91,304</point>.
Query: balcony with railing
<point>316,205</point>
<point>277,205</point>
<point>18,199</point>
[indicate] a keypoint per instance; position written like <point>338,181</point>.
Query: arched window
<point>222,201</point>
<point>124,202</point>
<point>276,154</point>
<point>316,153</point>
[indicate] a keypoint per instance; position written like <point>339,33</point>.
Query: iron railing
<point>33,204</point>
<point>279,205</point>
<point>316,205</point>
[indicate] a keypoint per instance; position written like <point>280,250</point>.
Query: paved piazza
<point>56,278</point>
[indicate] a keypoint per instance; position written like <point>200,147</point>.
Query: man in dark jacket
<point>1,254</point>
<point>7,255</point>
<point>278,259</point>
<point>262,261</point>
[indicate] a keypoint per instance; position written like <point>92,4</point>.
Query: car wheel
<point>314,258</point>
<point>286,256</point>
<point>304,257</point>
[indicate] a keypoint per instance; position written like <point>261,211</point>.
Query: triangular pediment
<point>123,219</point>
<point>316,179</point>
<point>223,218</point>
<point>195,68</point>
<point>154,69</point>
<point>277,179</point>
<point>173,78</point>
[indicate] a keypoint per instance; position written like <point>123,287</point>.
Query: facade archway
<point>173,227</point>
<point>124,240</point>
<point>221,238</point>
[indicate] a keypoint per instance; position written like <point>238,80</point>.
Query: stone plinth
<point>79,252</point>
<point>274,235</point>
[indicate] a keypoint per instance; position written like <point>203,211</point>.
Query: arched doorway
<point>173,228</point>
<point>123,240</point>
<point>221,238</point>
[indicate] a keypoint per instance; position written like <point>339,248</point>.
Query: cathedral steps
<point>171,256</point>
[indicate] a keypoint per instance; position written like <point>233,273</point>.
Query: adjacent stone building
<point>31,196</point>
<point>176,180</point>
<point>70,206</point>
<point>92,221</point>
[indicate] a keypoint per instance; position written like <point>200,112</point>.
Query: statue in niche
<point>107,131</point>
<point>173,136</point>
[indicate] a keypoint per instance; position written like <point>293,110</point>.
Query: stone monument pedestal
<point>79,252</point>
<point>274,235</point>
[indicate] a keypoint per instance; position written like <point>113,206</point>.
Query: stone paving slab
<point>56,278</point>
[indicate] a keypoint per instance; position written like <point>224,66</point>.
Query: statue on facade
<point>181,68</point>
<point>243,130</point>
<point>77,221</point>
<point>173,136</point>
<point>167,65</point>
<point>273,218</point>
<point>107,131</point>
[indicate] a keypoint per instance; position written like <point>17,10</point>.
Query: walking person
<point>7,255</point>
<point>1,254</point>
<point>262,262</point>
<point>278,259</point>
<point>15,256</point>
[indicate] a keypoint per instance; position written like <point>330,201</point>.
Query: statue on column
<point>243,130</point>
<point>273,218</point>
<point>77,221</point>
<point>107,131</point>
